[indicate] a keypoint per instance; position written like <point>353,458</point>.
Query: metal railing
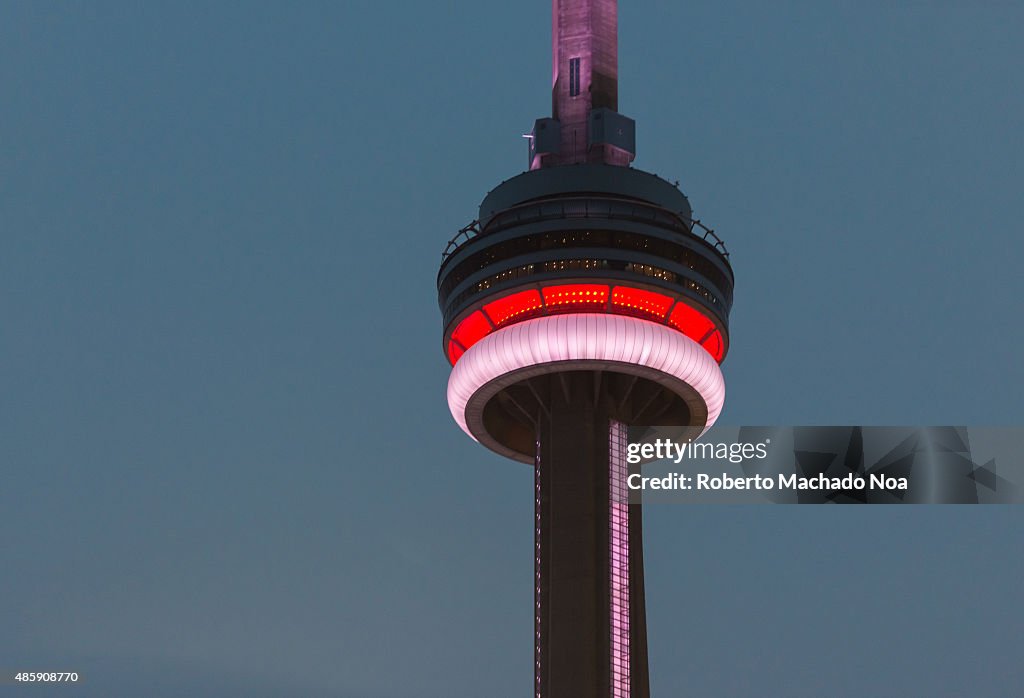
<point>586,207</point>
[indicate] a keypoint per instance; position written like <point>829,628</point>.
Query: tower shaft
<point>590,618</point>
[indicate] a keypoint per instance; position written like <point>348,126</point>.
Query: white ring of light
<point>581,340</point>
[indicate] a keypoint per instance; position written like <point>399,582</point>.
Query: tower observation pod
<point>585,299</point>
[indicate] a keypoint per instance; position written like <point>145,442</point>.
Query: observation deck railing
<point>585,207</point>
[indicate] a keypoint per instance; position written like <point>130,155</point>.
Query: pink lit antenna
<point>585,125</point>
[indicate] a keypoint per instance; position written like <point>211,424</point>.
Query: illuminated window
<point>518,306</point>
<point>635,301</point>
<point>472,330</point>
<point>455,352</point>
<point>690,321</point>
<point>576,297</point>
<point>715,346</point>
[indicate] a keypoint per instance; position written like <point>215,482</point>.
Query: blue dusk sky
<point>228,466</point>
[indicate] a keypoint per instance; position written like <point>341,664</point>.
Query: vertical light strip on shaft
<point>618,555</point>
<point>536,574</point>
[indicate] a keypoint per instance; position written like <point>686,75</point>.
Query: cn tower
<point>584,300</point>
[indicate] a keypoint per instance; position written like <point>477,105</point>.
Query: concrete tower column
<point>585,70</point>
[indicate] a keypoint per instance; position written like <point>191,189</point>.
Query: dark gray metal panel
<point>547,136</point>
<point>594,178</point>
<point>574,587</point>
<point>609,127</point>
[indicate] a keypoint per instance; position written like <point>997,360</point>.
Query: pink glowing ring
<point>593,341</point>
